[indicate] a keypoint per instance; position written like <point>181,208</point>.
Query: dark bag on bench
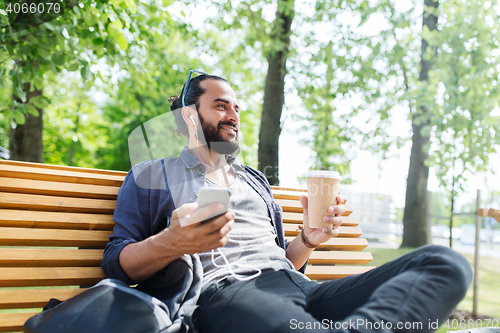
<point>110,306</point>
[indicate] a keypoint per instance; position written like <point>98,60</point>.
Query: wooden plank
<point>56,204</point>
<point>28,186</point>
<point>280,188</point>
<point>53,276</point>
<point>341,244</point>
<point>55,220</point>
<point>64,167</point>
<point>34,298</point>
<point>344,232</point>
<point>492,212</point>
<point>482,212</point>
<point>298,217</point>
<point>339,258</point>
<point>289,195</point>
<point>334,272</point>
<point>46,174</point>
<point>13,257</point>
<point>292,206</point>
<point>55,237</point>
<point>13,322</point>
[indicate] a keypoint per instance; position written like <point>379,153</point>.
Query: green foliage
<point>73,42</point>
<point>464,130</point>
<point>73,125</point>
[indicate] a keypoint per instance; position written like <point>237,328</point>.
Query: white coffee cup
<point>322,191</point>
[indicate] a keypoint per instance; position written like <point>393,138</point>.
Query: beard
<point>214,138</point>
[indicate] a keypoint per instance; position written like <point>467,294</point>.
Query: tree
<point>72,42</point>
<point>274,92</point>
<point>415,223</point>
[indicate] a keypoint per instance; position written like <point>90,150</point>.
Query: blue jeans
<point>414,293</point>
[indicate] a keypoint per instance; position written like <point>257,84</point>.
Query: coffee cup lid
<point>324,174</point>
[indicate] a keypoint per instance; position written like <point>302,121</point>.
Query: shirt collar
<point>190,161</point>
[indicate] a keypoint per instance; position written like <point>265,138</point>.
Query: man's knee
<point>452,264</point>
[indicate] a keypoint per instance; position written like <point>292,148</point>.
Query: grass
<point>489,283</point>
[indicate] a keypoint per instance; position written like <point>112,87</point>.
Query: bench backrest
<point>55,222</point>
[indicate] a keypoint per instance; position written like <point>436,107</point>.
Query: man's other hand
<point>316,236</point>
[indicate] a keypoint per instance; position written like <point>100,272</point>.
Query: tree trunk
<point>25,142</point>
<point>415,222</point>
<point>270,126</point>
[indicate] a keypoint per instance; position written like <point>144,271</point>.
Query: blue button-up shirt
<point>153,189</point>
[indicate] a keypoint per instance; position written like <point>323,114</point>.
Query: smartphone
<point>209,195</point>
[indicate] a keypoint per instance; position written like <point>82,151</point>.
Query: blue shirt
<point>153,189</point>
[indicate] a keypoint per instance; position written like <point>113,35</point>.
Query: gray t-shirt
<point>252,239</point>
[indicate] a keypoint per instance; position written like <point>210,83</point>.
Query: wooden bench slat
<point>34,298</point>
<point>14,257</point>
<point>64,168</point>
<point>53,237</point>
<point>29,186</point>
<point>13,322</point>
<point>291,206</point>
<point>348,232</point>
<point>287,195</point>
<point>55,220</point>
<point>334,272</point>
<point>280,188</point>
<point>53,276</point>
<point>329,258</point>
<point>37,173</point>
<point>341,244</point>
<point>55,204</point>
<point>298,217</point>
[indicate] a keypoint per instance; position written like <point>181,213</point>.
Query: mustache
<point>227,123</point>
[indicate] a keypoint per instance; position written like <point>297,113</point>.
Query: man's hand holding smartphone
<point>189,235</point>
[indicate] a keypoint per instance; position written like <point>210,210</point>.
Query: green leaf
<point>116,3</point>
<point>89,17</point>
<point>19,92</point>
<point>97,41</point>
<point>19,117</point>
<point>58,58</point>
<point>86,73</point>
<point>122,42</point>
<point>39,101</point>
<point>49,26</point>
<point>73,67</point>
<point>111,31</point>
<point>32,110</point>
<point>117,24</point>
<point>38,80</point>
<point>131,5</point>
<point>167,3</point>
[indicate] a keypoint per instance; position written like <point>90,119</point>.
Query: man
<point>420,288</point>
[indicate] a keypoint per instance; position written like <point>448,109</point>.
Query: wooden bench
<point>55,222</point>
<point>484,212</point>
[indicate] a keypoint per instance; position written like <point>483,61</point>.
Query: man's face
<point>218,113</point>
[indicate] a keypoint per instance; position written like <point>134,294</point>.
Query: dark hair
<point>192,97</point>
